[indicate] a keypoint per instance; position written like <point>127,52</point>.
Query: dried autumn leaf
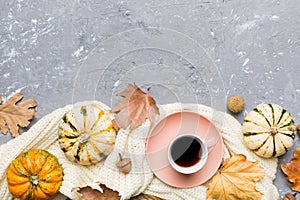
<point>235,180</point>
<point>146,197</point>
<point>88,193</point>
<point>289,196</point>
<point>133,110</point>
<point>292,170</point>
<point>14,114</point>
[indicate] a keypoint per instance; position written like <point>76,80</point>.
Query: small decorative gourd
<point>269,130</point>
<point>86,134</point>
<point>35,174</point>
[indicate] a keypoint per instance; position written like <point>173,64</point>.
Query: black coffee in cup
<point>186,151</point>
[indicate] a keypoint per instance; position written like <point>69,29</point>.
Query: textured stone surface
<point>255,45</point>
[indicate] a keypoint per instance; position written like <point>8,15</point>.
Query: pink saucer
<point>163,133</point>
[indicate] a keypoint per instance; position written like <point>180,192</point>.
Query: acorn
<point>124,165</point>
<point>235,104</point>
<point>289,196</point>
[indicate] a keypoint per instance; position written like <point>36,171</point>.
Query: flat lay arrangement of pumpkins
<point>87,135</point>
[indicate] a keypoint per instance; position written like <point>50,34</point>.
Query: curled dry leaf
<point>289,196</point>
<point>146,197</point>
<point>15,114</point>
<point>88,193</point>
<point>292,170</point>
<point>133,110</point>
<point>235,180</point>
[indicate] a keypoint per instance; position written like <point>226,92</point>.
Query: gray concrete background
<point>255,46</point>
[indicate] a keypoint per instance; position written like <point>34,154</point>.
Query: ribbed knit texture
<point>43,135</point>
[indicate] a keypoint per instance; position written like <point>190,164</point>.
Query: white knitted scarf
<point>43,135</point>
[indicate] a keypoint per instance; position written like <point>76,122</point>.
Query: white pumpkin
<point>269,130</point>
<point>86,134</point>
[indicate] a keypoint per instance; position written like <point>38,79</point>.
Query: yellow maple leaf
<point>235,180</point>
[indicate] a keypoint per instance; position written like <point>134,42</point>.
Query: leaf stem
<point>227,147</point>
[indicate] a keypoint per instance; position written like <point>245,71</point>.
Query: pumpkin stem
<point>34,180</point>
<point>83,138</point>
<point>274,130</point>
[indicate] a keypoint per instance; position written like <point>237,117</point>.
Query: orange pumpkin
<point>34,175</point>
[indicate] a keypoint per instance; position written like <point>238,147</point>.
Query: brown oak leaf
<point>133,110</point>
<point>15,114</point>
<point>235,180</point>
<point>292,170</point>
<point>88,193</point>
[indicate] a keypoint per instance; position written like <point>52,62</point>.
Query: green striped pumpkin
<point>86,134</point>
<point>269,130</point>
